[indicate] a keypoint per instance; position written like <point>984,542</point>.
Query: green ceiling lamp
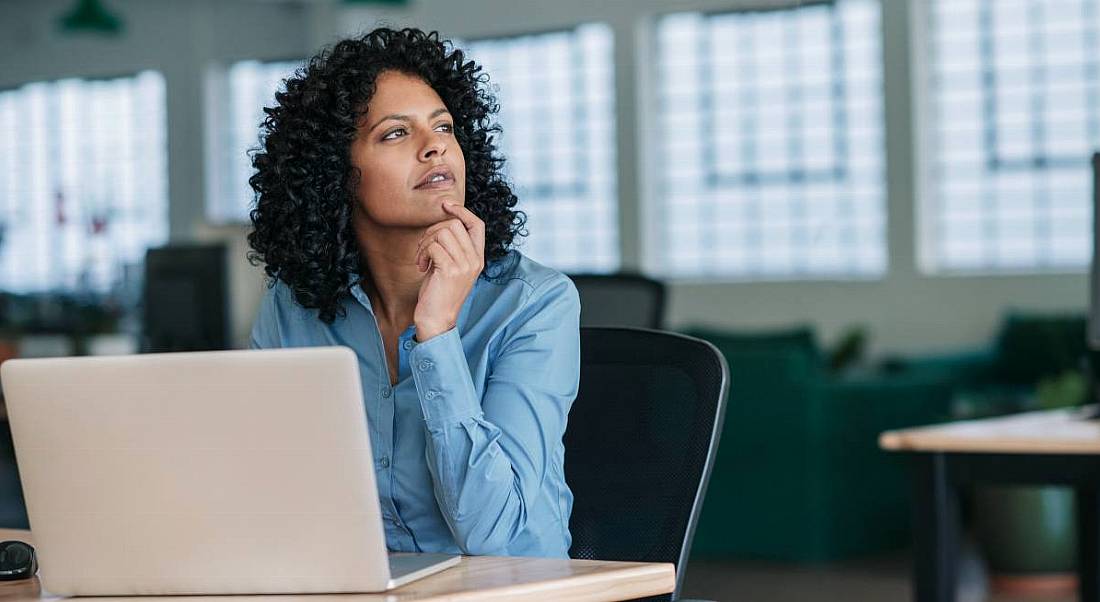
<point>89,16</point>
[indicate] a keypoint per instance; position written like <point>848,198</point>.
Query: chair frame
<point>712,447</point>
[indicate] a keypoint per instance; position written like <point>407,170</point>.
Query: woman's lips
<point>437,185</point>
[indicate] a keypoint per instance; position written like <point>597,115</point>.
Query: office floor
<point>881,579</point>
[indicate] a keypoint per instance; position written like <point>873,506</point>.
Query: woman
<point>386,226</point>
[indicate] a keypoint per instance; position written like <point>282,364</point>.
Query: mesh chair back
<point>620,300</point>
<point>640,443</point>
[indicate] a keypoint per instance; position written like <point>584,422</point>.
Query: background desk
<point>475,578</point>
<point>1055,447</point>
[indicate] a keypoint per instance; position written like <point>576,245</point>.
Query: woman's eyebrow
<point>406,118</point>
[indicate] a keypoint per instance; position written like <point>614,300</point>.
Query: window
<point>1015,103</point>
<point>770,144</point>
<point>556,96</point>
<point>243,90</point>
<point>83,182</point>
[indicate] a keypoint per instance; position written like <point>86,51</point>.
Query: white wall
<point>905,311</point>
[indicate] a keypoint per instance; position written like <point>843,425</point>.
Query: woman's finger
<point>466,242</point>
<point>453,246</point>
<point>443,224</point>
<point>436,227</point>
<point>473,224</point>
<point>439,256</point>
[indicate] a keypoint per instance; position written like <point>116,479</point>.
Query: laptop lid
<point>220,472</point>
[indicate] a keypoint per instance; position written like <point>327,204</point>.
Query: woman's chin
<point>435,213</point>
<point>438,201</point>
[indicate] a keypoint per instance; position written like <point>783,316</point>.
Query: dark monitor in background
<point>185,299</point>
<point>1094,301</point>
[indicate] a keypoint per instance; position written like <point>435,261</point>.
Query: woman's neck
<point>392,280</point>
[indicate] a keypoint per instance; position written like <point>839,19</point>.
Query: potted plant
<point>1028,533</point>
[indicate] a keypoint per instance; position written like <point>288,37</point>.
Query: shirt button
<point>407,344</point>
<point>430,394</point>
<point>386,392</point>
<point>384,461</point>
<point>425,366</point>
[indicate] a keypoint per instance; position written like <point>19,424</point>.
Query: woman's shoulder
<point>519,293</point>
<point>277,293</point>
<point>518,270</point>
<point>279,299</point>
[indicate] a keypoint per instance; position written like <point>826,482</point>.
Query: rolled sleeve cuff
<point>442,379</point>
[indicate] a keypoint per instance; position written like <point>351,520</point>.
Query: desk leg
<point>1088,544</point>
<point>935,530</point>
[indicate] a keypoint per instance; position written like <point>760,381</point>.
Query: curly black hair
<point>304,181</point>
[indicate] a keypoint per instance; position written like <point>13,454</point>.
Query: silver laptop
<point>221,472</point>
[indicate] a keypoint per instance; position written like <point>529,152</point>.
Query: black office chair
<point>620,300</point>
<point>640,444</point>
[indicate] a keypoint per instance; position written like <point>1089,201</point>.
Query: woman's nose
<point>434,147</point>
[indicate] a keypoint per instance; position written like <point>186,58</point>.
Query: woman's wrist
<point>428,330</point>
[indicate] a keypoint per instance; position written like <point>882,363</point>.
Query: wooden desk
<point>1054,447</point>
<point>475,578</point>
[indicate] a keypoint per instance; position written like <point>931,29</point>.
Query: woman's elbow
<point>487,533</point>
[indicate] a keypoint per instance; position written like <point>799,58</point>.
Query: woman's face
<point>409,161</point>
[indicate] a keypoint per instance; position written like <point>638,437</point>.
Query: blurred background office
<point>880,211</point>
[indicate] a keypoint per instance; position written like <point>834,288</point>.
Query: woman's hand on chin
<point>453,254</point>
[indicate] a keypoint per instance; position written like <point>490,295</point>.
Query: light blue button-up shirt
<point>468,444</point>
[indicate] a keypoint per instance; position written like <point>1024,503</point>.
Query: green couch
<point>1002,377</point>
<point>799,476</point>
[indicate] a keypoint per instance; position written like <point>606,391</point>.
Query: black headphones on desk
<point>17,560</point>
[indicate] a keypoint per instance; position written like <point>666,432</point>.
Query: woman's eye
<point>390,135</point>
<point>446,127</point>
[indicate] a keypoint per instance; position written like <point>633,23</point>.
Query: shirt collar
<point>354,281</point>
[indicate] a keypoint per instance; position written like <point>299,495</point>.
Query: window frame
<point>653,245</point>
<point>124,274</point>
<point>580,186</point>
<point>926,197</point>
